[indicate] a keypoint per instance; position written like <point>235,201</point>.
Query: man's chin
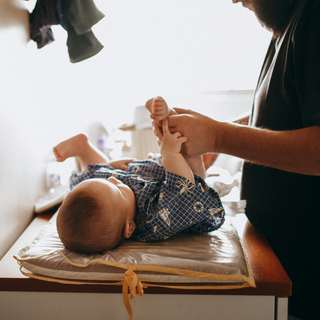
<point>273,15</point>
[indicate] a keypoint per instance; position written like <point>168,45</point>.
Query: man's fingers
<point>175,121</point>
<point>182,111</point>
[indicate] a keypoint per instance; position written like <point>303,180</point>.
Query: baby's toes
<point>59,158</point>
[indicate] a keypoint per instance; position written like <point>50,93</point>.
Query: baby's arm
<point>197,166</point>
<point>173,161</point>
<point>159,109</point>
<point>121,163</point>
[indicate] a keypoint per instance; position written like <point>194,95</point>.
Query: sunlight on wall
<point>182,50</point>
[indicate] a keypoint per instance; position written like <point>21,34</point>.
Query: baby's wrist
<point>168,153</point>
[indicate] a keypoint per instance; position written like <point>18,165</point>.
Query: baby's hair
<point>83,226</point>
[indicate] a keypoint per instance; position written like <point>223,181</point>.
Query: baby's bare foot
<point>158,108</point>
<point>72,147</point>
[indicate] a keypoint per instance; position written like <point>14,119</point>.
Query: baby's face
<point>110,192</point>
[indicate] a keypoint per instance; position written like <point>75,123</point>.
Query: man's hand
<point>197,128</point>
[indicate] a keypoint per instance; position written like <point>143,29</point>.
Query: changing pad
<point>214,260</point>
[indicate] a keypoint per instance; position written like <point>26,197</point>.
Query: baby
<point>145,200</point>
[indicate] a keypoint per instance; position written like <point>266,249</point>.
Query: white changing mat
<point>209,260</point>
<point>203,261</point>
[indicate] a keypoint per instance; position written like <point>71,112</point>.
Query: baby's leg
<point>80,147</point>
<point>158,108</point>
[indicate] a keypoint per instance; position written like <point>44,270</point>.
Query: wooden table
<point>25,298</point>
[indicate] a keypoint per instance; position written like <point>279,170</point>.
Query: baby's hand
<point>170,142</point>
<point>121,163</point>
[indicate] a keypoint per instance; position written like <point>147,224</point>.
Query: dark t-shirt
<point>284,206</point>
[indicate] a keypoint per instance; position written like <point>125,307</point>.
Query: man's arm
<point>209,158</point>
<point>295,151</point>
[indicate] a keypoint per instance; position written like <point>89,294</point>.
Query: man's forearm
<point>296,151</point>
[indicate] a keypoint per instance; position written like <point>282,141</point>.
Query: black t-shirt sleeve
<point>306,56</point>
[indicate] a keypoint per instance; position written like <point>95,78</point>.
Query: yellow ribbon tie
<point>134,285</point>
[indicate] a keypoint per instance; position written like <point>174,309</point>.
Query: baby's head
<point>97,215</point>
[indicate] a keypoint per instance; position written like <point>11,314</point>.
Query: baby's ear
<point>129,227</point>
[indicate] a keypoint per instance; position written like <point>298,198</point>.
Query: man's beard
<point>273,14</point>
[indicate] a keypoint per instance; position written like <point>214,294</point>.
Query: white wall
<point>23,145</point>
<point>30,121</point>
<point>20,176</point>
<point>183,50</point>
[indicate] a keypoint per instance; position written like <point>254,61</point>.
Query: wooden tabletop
<point>269,275</point>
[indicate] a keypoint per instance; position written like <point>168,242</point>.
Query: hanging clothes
<point>77,17</point>
<point>42,17</point>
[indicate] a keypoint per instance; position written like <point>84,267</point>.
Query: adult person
<point>281,147</point>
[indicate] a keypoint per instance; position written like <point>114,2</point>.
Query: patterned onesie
<point>167,204</point>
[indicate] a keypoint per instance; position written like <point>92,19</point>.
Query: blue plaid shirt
<point>167,203</point>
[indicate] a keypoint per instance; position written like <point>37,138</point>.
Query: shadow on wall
<point>13,14</point>
<point>22,164</point>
